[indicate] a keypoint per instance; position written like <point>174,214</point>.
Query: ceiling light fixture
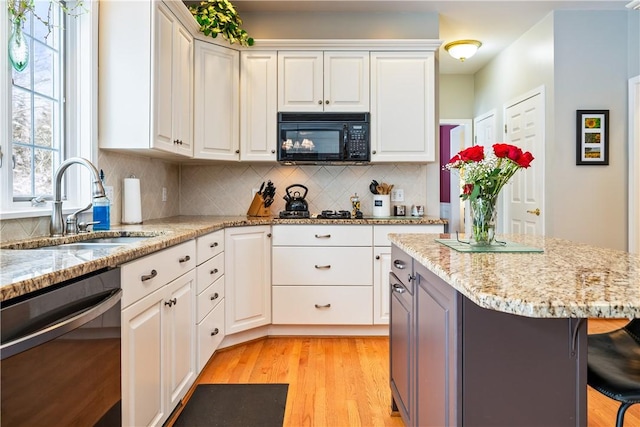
<point>462,49</point>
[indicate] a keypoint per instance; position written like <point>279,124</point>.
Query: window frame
<point>80,114</point>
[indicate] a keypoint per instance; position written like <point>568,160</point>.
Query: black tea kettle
<point>296,202</point>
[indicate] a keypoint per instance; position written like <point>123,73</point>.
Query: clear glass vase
<point>18,47</point>
<point>483,221</point>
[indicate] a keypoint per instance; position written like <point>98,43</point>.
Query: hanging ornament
<point>18,47</point>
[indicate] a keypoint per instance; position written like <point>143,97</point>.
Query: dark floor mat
<point>226,405</point>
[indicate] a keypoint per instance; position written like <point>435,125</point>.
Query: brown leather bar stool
<point>613,365</point>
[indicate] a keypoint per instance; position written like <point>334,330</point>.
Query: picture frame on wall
<point>592,137</point>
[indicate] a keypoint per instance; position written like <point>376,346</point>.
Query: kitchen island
<point>497,339</point>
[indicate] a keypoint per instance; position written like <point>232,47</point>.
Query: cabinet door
<point>346,81</point>
<point>403,107</point>
<point>142,387</point>
<point>258,105</point>
<point>381,288</point>
<point>401,354</point>
<point>300,81</point>
<point>182,87</point>
<point>180,344</point>
<point>436,311</point>
<point>217,117</point>
<point>247,278</point>
<point>163,138</point>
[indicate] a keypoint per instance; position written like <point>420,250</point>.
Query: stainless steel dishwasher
<point>60,352</point>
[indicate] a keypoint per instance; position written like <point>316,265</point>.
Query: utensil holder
<point>257,207</point>
<point>381,205</point>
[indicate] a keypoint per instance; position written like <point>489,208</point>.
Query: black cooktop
<point>294,214</point>
<point>337,215</point>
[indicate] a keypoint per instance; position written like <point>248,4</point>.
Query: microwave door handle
<point>345,141</point>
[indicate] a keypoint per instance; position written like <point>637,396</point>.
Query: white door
<point>484,129</point>
<point>634,164</point>
<point>524,194</point>
<point>459,139</point>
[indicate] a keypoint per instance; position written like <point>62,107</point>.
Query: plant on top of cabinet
<point>220,17</point>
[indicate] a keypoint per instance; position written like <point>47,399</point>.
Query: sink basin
<point>97,243</point>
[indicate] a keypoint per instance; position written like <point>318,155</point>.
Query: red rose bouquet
<point>483,176</point>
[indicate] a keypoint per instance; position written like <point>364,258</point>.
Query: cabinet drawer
<point>210,335</point>
<point>147,274</point>
<point>209,246</point>
<point>209,299</point>
<point>209,272</point>
<point>322,305</point>
<point>402,267</point>
<point>380,232</point>
<point>322,235</point>
<point>322,266</point>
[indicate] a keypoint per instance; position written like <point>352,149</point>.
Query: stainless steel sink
<point>97,243</point>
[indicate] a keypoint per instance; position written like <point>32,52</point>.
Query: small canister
<point>399,210</point>
<point>355,204</point>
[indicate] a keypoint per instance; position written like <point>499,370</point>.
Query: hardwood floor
<point>345,381</point>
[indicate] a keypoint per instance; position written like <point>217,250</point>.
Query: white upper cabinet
<point>258,105</point>
<point>323,81</point>
<point>217,98</point>
<point>403,107</point>
<point>145,79</point>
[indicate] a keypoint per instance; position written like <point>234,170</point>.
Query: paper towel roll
<point>131,202</point>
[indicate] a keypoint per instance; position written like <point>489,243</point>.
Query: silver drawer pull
<point>146,277</point>
<point>216,331</point>
<point>322,267</point>
<point>400,265</point>
<point>214,296</point>
<point>214,271</point>
<point>323,236</point>
<point>185,259</point>
<point>398,288</point>
<point>323,306</point>
<point>213,245</point>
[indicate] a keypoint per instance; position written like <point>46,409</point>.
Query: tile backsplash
<point>227,189</point>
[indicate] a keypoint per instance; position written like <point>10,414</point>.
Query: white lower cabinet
<point>247,277</point>
<point>158,334</point>
<point>210,330</point>
<point>322,275</point>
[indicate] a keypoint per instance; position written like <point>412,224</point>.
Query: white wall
<point>590,201</point>
<point>456,96</point>
<point>582,59</point>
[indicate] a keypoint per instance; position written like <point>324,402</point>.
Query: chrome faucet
<point>57,227</point>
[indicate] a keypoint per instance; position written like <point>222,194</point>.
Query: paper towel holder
<point>131,201</point>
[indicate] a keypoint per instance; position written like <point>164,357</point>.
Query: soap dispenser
<point>101,210</point>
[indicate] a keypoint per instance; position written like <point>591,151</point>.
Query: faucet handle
<point>72,220</point>
<point>83,227</point>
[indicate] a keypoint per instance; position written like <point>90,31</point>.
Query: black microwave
<point>331,138</point>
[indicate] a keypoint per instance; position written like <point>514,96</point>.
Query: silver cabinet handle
<point>214,296</point>
<point>185,259</point>
<point>400,265</point>
<point>216,331</point>
<point>214,271</point>
<point>213,245</point>
<point>323,267</point>
<point>323,306</point>
<point>323,236</point>
<point>146,277</point>
<point>398,288</point>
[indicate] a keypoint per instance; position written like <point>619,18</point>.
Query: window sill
<point>34,212</point>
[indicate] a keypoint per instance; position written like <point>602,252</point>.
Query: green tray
<point>509,247</point>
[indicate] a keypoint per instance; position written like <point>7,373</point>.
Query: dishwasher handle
<point>83,312</point>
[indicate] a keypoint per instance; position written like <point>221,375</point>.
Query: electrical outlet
<point>108,191</point>
<point>164,194</point>
<point>397,195</point>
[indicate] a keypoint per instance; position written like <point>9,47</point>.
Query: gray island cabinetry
<point>497,339</point>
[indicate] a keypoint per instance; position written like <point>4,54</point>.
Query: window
<point>48,111</point>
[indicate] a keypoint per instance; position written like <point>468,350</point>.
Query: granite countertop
<point>566,280</point>
<point>24,270</point>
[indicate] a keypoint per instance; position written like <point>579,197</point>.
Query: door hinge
<point>505,128</point>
